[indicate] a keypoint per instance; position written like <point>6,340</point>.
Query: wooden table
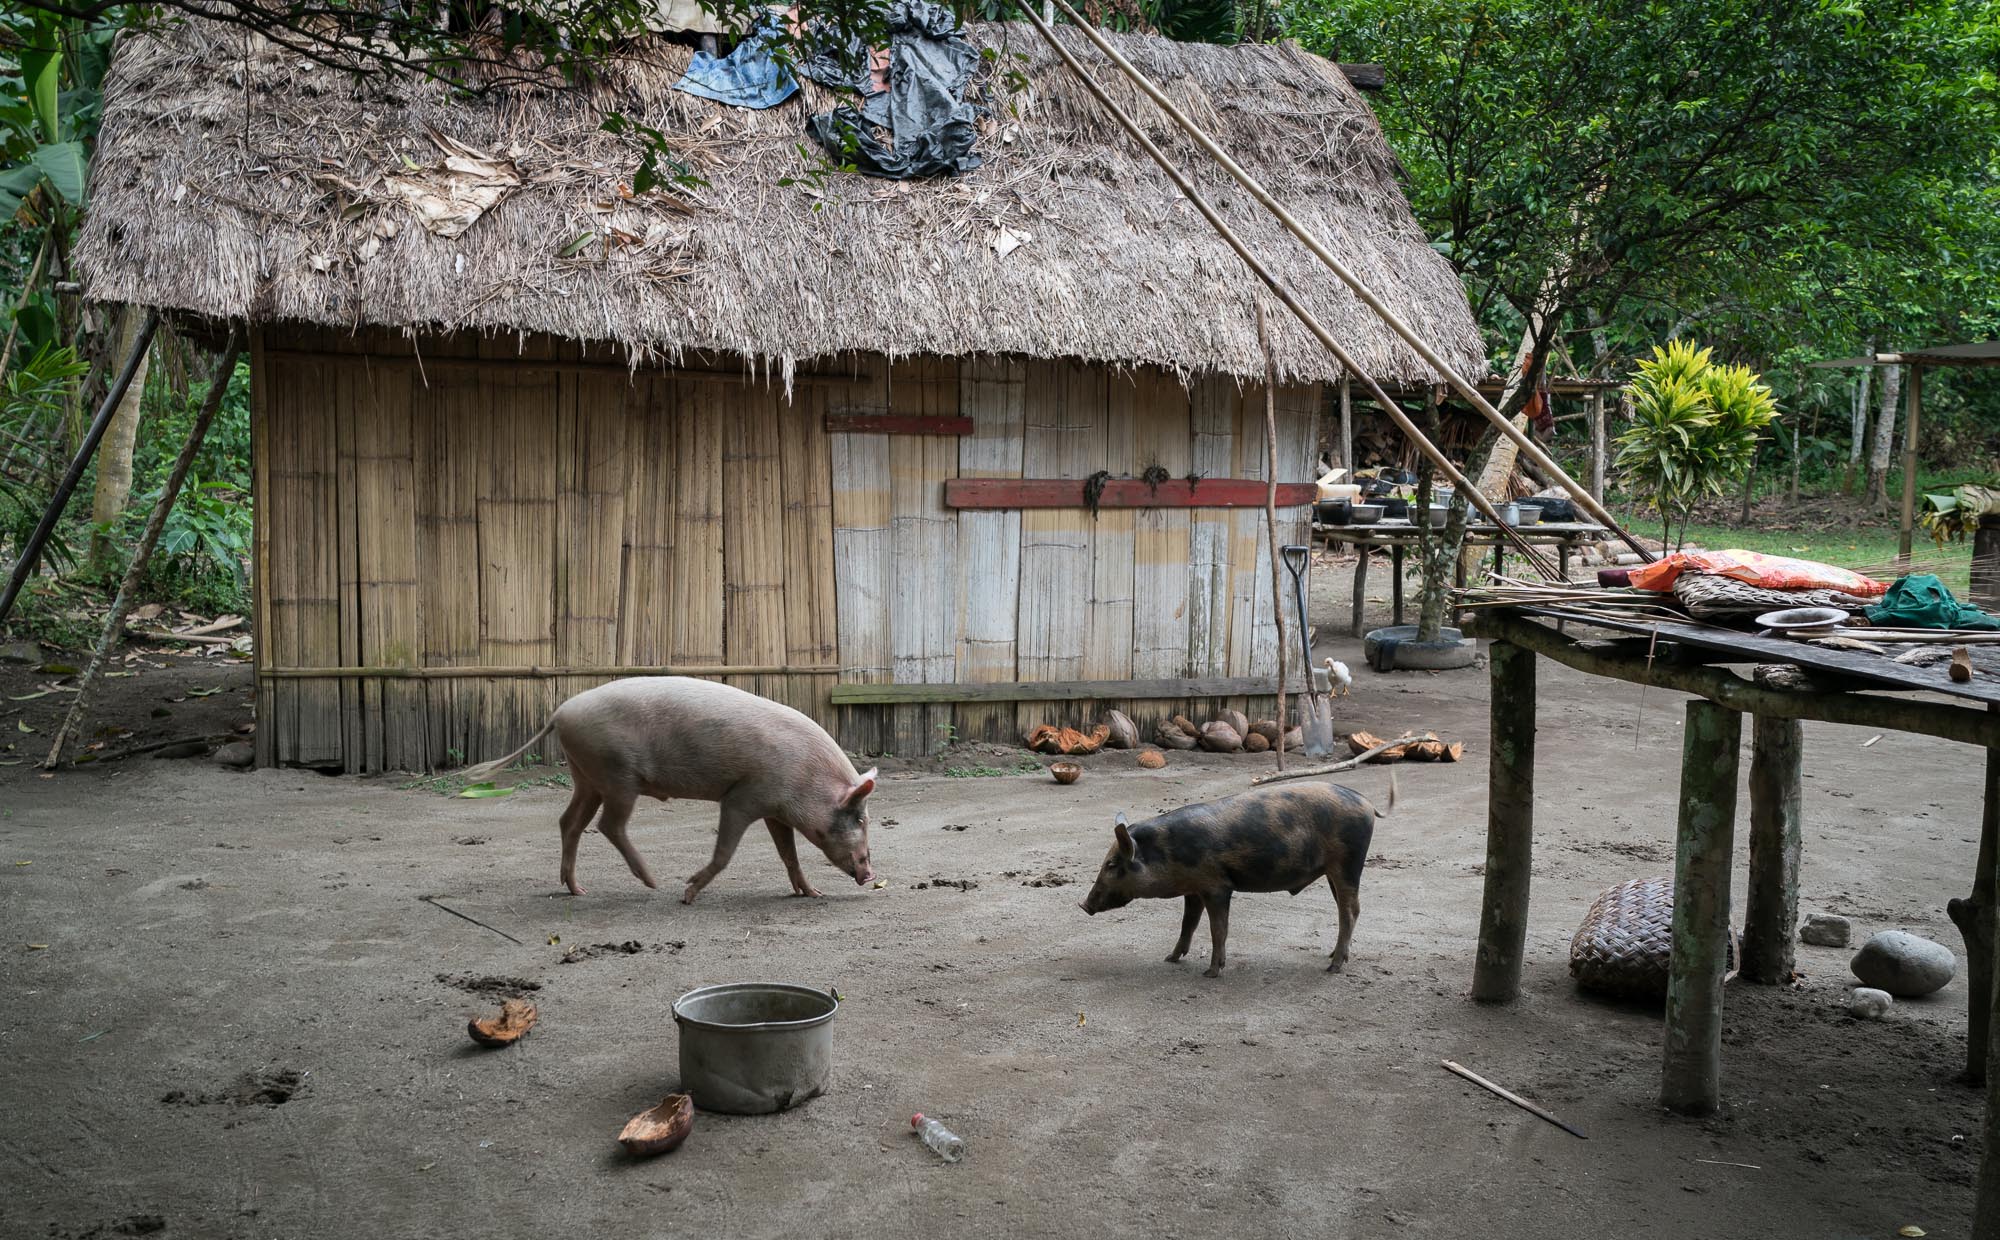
<point>1564,536</point>
<point>1835,686</point>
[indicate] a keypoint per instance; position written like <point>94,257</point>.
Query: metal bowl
<point>1802,619</point>
<point>1365,514</point>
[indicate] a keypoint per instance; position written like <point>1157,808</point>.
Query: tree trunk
<point>1885,437</point>
<point>1859,419</point>
<point>114,458</point>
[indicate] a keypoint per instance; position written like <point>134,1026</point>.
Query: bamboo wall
<point>450,544</point>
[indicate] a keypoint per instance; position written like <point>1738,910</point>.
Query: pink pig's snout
<point>864,874</point>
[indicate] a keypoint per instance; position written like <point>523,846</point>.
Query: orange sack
<point>1772,572</point>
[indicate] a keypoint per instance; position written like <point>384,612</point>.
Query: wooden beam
<point>1122,493</point>
<point>1053,690</point>
<point>1691,1077</point>
<point>895,424</point>
<point>1772,909</point>
<point>1510,826</point>
<point>1366,77</point>
<point>1925,718</point>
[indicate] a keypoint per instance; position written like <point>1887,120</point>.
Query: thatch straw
<point>233,181</point>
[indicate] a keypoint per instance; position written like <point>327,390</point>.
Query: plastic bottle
<point>938,1137</point>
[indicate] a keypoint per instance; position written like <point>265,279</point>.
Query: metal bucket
<point>750,1048</point>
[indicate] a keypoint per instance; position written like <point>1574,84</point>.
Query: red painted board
<point>1122,493</point>
<point>895,424</point>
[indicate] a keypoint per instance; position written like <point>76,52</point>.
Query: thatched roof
<point>235,181</point>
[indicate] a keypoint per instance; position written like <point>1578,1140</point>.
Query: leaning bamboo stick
<point>1335,768</point>
<point>1510,1096</point>
<point>114,624</point>
<point>1465,388</point>
<point>1292,303</point>
<point>1271,516</point>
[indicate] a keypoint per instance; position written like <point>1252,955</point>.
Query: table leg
<point>1510,826</point>
<point>1772,912</point>
<point>1986,1197</point>
<point>1360,591</point>
<point>1499,557</point>
<point>1396,576</point>
<point>1457,579</point>
<point>1976,919</point>
<point>1562,559</point>
<point>1691,1080</point>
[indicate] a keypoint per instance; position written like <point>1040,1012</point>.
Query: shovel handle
<point>1296,559</point>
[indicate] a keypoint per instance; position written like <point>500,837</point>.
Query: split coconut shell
<point>1219,737</point>
<point>660,1129</point>
<point>516,1017</point>
<point>1171,737</point>
<point>1124,733</point>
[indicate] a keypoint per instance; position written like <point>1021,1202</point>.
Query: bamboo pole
<point>114,624</point>
<point>1464,387</point>
<point>1346,427</point>
<point>1510,826</point>
<point>1271,516</point>
<point>31,551</point>
<point>1691,1076</point>
<point>1335,768</point>
<point>1285,295</point>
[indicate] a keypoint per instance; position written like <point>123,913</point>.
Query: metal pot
<point>750,1048</point>
<point>1332,511</point>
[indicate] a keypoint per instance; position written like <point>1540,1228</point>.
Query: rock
<point>184,749</point>
<point>1825,930</point>
<point>1238,722</point>
<point>20,652</point>
<point>1219,737</point>
<point>1152,759</point>
<point>237,755</point>
<point>1266,728</point>
<point>1904,964</point>
<point>1171,737</point>
<point>1256,742</point>
<point>1124,733</point>
<point>1186,725</point>
<point>1867,1003</point>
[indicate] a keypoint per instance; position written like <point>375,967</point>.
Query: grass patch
<point>451,783</point>
<point>1026,766</point>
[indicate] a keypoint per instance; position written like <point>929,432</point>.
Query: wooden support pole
<point>1691,1080</point>
<point>1346,427</point>
<point>1986,1196</point>
<point>1597,445</point>
<point>1907,528</point>
<point>128,589</point>
<point>1271,519</point>
<point>1772,910</point>
<point>31,551</point>
<point>1978,921</point>
<point>1510,826</point>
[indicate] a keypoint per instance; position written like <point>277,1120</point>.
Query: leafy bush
<point>1695,429</point>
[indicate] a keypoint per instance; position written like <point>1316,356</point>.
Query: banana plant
<point>43,145</point>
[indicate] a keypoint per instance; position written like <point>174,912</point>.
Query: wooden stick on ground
<point>1271,516</point>
<point>114,624</point>
<point>1510,1096</point>
<point>1336,767</point>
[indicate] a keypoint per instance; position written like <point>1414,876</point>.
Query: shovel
<point>1316,718</point>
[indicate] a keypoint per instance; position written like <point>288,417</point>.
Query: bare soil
<point>230,1012</point>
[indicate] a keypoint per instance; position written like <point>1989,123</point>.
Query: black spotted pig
<point>1269,839</point>
<point>673,736</point>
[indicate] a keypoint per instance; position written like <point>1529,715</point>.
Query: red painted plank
<point>896,424</point>
<point>1122,493</point>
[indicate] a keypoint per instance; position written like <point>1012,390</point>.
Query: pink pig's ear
<point>1124,835</point>
<point>862,789</point>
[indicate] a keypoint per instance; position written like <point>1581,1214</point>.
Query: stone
<point>20,652</point>
<point>237,755</point>
<point>1124,733</point>
<point>1904,964</point>
<point>1826,930</point>
<point>1867,1003</point>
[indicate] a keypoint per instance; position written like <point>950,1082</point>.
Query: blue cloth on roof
<point>746,78</point>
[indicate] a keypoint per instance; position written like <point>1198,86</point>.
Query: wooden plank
<point>697,613</point>
<point>860,465</point>
<point>1226,492</point>
<point>1160,545</point>
<point>1054,690</point>
<point>1253,646</point>
<point>1366,76</point>
<point>923,541</point>
<point>811,598</point>
<point>753,527</point>
<point>1212,420</point>
<point>1062,402</point>
<point>385,507</point>
<point>1108,650</point>
<point>359,751</point>
<point>989,542</point>
<point>261,649</point>
<point>646,594</point>
<point>591,479</point>
<point>897,424</point>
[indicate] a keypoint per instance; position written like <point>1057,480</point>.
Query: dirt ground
<point>229,1013</point>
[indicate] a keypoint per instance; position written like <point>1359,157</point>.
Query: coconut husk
<point>1152,759</point>
<point>1124,733</point>
<point>1256,742</point>
<point>515,1018</point>
<point>1051,739</point>
<point>661,1129</point>
<point>1219,737</point>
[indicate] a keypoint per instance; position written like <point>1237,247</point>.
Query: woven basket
<point>1708,596</point>
<point>1625,943</point>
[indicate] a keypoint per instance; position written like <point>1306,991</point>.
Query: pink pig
<point>672,736</point>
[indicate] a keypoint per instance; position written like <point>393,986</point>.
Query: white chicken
<point>1339,680</point>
